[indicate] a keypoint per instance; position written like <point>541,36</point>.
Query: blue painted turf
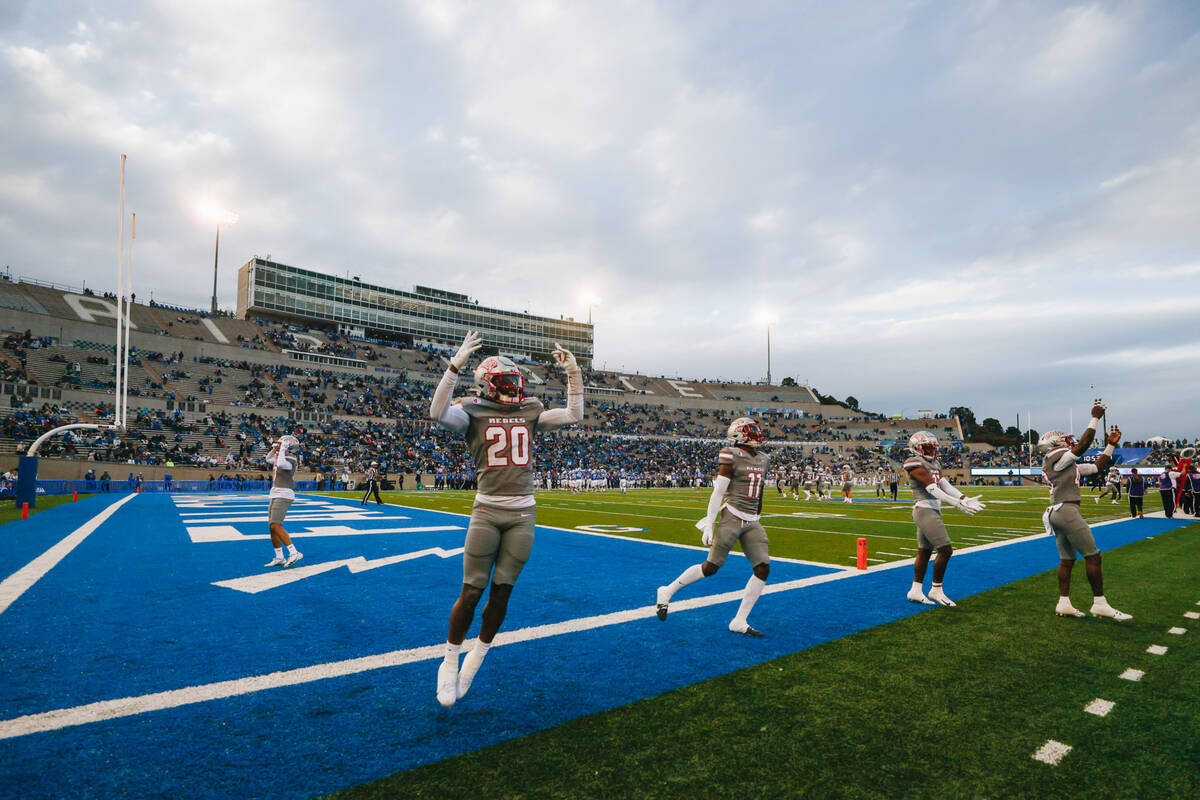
<point>133,610</point>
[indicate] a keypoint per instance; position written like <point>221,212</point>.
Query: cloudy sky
<point>943,203</point>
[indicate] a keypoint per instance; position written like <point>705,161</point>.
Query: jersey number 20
<point>508,446</point>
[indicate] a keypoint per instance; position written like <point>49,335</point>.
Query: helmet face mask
<point>1055,438</point>
<point>923,443</point>
<point>500,380</point>
<point>745,431</point>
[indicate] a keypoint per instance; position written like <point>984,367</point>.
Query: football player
<point>284,458</point>
<point>930,490</point>
<point>880,482</point>
<point>737,498</point>
<point>499,424</point>
<point>1063,520</point>
<point>847,484</point>
<point>809,481</point>
<point>1112,485</point>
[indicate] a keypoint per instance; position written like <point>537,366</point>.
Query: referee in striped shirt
<point>372,481</point>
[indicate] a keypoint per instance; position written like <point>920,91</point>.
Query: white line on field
<point>20,581</point>
<point>897,555</point>
<point>1177,631</point>
<point>1156,650</point>
<point>1052,752</point>
<point>1192,614</point>
<point>1099,707</point>
<point>1132,674</point>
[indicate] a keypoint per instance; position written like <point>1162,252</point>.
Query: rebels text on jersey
<point>933,467</point>
<point>744,495</point>
<point>500,440</point>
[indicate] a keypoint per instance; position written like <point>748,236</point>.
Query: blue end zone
<point>133,610</point>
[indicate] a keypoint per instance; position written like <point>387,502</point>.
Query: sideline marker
<point>862,553</point>
<point>24,510</point>
<point>75,497</point>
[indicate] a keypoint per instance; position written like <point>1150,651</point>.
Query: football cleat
<point>939,597</point>
<point>662,600</point>
<point>1110,612</point>
<point>293,558</point>
<point>1065,609</point>
<point>745,630</point>
<point>447,686</point>
<point>277,561</point>
<point>917,596</point>
<point>470,666</point>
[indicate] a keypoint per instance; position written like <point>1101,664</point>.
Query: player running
<point>284,457</point>
<point>1063,520</point>
<point>737,497</point>
<point>930,490</point>
<point>499,424</point>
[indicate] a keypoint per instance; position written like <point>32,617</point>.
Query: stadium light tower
<point>768,318</point>
<point>590,299</point>
<point>220,216</point>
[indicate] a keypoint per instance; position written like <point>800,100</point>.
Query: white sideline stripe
<point>20,581</point>
<point>228,533</point>
<point>1156,650</point>
<point>214,330</point>
<point>1132,674</point>
<point>1177,631</point>
<point>1099,707</point>
<point>897,555</point>
<point>1192,614</point>
<point>173,698</point>
<point>1052,752</point>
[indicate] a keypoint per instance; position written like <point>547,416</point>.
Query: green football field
<point>820,531</point>
<point>950,704</point>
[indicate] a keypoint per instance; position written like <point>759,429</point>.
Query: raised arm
<point>573,412</point>
<point>440,408</point>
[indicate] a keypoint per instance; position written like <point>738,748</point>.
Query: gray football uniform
<point>931,528</point>
<point>284,479</point>
<point>500,440</point>
<point>1063,518</point>
<point>743,504</point>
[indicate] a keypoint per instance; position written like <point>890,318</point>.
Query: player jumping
<point>499,425</point>
<point>737,497</point>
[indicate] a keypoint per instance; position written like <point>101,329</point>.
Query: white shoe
<point>1068,610</point>
<point>917,596</point>
<point>277,561</point>
<point>447,687</point>
<point>1097,499</point>
<point>293,558</point>
<point>662,601</point>
<point>939,597</point>
<point>470,666</point>
<point>1110,612</point>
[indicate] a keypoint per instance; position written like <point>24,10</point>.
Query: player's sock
<point>689,575</point>
<point>916,587</point>
<point>279,552</point>
<point>754,588</point>
<point>470,666</point>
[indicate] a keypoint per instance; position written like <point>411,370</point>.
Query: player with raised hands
<point>930,490</point>
<point>284,458</point>
<point>737,498</point>
<point>499,424</point>
<point>1063,518</point>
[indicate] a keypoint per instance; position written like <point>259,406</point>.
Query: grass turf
<point>826,531</point>
<point>949,703</point>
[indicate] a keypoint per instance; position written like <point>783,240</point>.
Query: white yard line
<point>1132,674</point>
<point>1099,707</point>
<point>20,581</point>
<point>1052,752</point>
<point>1157,650</point>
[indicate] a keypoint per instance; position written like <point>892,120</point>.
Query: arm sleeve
<point>717,498</point>
<point>949,489</point>
<point>558,417</point>
<point>284,461</point>
<point>1087,469</point>
<point>1065,460</point>
<point>440,408</point>
<point>945,497</point>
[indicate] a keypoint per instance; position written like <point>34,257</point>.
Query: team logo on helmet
<point>499,379</point>
<point>744,430</point>
<point>923,443</point>
<point>1052,439</point>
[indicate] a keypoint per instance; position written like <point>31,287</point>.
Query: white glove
<point>564,357</point>
<point>706,531</point>
<point>964,505</point>
<point>470,344</point>
<point>975,503</point>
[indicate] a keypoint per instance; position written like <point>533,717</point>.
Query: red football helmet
<point>499,379</point>
<point>744,430</point>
